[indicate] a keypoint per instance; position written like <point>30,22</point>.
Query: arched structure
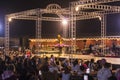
<point>53,6</point>
<point>72,14</point>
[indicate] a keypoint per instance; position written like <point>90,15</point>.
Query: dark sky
<point>21,27</point>
<point>27,28</point>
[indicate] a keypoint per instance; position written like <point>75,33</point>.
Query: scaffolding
<point>74,12</point>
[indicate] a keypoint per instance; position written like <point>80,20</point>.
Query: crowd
<point>96,49</point>
<point>50,68</point>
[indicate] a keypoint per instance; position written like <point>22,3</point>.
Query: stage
<point>113,60</point>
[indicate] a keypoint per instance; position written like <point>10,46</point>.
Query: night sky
<point>20,28</point>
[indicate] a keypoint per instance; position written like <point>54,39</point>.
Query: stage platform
<point>113,60</point>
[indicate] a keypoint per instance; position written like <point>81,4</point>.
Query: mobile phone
<point>40,73</point>
<point>25,56</point>
<point>85,77</point>
<point>88,70</point>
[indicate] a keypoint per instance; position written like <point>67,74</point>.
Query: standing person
<point>105,72</point>
<point>75,67</point>
<point>52,58</point>
<point>86,75</point>
<point>117,74</point>
<point>28,54</point>
<point>90,48</point>
<point>66,74</point>
<point>91,65</point>
<point>44,69</point>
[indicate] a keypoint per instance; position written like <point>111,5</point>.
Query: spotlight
<point>77,8</point>
<point>10,19</point>
<point>64,22</point>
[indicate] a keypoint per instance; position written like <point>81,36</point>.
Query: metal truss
<point>6,35</point>
<point>73,31</point>
<point>82,2</point>
<point>100,7</point>
<point>103,34</point>
<point>100,11</point>
<point>22,14</point>
<point>35,14</point>
<point>59,19</point>
<point>38,28</point>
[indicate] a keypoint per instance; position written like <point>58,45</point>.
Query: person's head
<point>92,60</point>
<point>46,58</point>
<point>118,74</point>
<point>57,63</point>
<point>103,61</point>
<point>67,60</point>
<point>98,62</point>
<point>75,62</point>
<point>52,56</point>
<point>107,65</point>
<point>82,68</point>
<point>67,70</point>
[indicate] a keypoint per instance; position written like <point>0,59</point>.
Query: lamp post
<point>65,31</point>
